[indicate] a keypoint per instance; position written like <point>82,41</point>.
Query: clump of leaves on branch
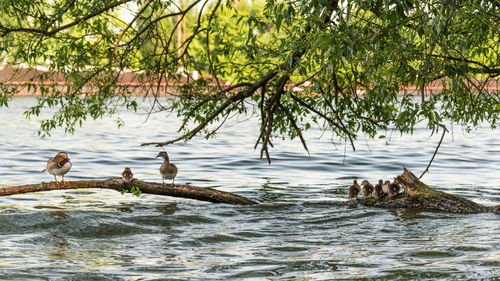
<point>355,56</point>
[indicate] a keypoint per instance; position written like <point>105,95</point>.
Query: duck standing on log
<point>367,189</point>
<point>167,169</point>
<point>378,192</point>
<point>385,187</point>
<point>354,190</point>
<point>127,175</point>
<point>394,189</point>
<point>58,166</point>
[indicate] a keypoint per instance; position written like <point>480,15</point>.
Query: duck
<point>59,166</point>
<point>127,175</point>
<point>167,169</point>
<point>367,189</point>
<point>385,187</point>
<point>394,189</point>
<point>378,192</point>
<point>354,190</point>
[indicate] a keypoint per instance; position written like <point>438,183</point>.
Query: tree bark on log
<point>418,195</point>
<point>183,191</point>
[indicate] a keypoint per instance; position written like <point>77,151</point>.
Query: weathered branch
<point>419,196</point>
<point>183,191</point>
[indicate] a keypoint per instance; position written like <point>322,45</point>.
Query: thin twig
<point>295,127</point>
<point>262,116</point>
<point>330,120</point>
<point>274,103</point>
<point>210,63</point>
<point>435,152</point>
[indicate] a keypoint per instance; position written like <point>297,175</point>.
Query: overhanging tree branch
<point>328,119</point>
<point>239,96</point>
<point>49,33</point>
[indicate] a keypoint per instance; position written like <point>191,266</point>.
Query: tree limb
<point>273,104</point>
<point>330,120</point>
<point>183,191</point>
<point>241,95</point>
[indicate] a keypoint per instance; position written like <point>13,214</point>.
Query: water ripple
<point>304,228</point>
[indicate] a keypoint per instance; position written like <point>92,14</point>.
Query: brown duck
<point>354,190</point>
<point>167,169</point>
<point>394,189</point>
<point>127,175</point>
<point>385,187</point>
<point>367,189</point>
<point>378,192</point>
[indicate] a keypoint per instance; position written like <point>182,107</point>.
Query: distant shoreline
<point>22,77</point>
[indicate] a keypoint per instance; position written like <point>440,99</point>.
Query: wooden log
<point>183,191</point>
<point>418,195</point>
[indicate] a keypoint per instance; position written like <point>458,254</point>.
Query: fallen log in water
<point>183,191</point>
<point>418,195</point>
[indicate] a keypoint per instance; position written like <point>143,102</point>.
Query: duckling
<point>167,169</point>
<point>127,175</point>
<point>59,166</point>
<point>394,189</point>
<point>354,190</point>
<point>367,189</point>
<point>385,187</point>
<point>378,192</point>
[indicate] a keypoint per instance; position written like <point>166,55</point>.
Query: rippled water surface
<point>303,229</point>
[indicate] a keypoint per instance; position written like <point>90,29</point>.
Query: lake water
<point>303,229</point>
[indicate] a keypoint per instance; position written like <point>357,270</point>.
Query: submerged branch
<point>183,191</point>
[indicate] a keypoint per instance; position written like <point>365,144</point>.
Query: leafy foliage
<point>134,191</point>
<point>349,59</point>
